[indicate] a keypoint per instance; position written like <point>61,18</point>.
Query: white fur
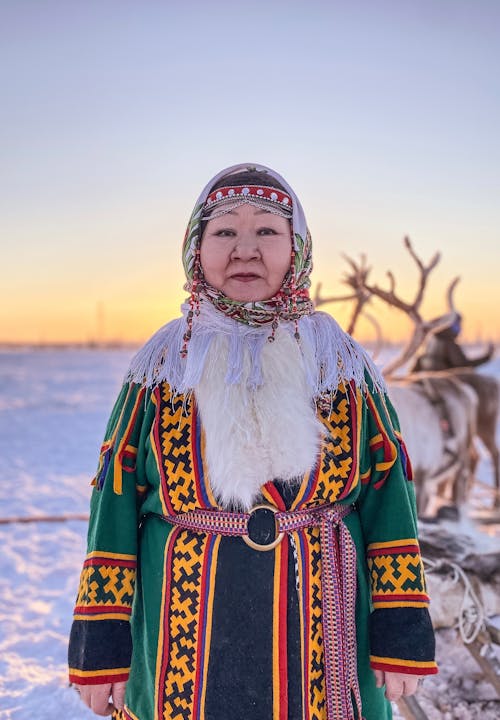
<point>257,434</point>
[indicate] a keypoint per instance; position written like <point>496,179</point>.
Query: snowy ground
<point>53,409</point>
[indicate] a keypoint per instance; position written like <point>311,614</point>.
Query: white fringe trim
<point>331,356</point>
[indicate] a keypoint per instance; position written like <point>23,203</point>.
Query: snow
<point>54,406</point>
<point>53,410</point>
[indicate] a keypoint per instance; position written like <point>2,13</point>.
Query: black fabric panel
<point>239,682</point>
<point>99,644</point>
<point>288,490</point>
<point>293,633</point>
<point>403,633</point>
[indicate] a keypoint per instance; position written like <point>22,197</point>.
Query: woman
<point>277,572</point>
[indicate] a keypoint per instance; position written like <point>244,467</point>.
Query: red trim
<point>273,491</point>
<point>406,458</point>
<point>283,634</point>
<point>313,485</point>
<point>282,625</point>
<point>307,617</point>
<point>393,550</point>
<point>387,667</point>
<point>98,679</point>
<point>354,440</point>
<point>201,631</point>
<point>96,561</point>
<point>131,424</point>
<point>129,454</point>
<point>393,598</point>
<point>385,441</point>
<point>194,458</point>
<point>101,609</point>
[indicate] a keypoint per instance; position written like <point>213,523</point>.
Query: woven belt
<point>338,585</point>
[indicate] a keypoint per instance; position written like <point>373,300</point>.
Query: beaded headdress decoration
<point>292,300</point>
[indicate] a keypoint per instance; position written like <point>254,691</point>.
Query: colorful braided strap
<point>338,586</point>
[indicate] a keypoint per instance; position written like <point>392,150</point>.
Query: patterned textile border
<point>397,574</point>
<point>106,587</point>
<point>182,659</point>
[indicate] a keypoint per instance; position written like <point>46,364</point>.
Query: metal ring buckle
<point>279,535</point>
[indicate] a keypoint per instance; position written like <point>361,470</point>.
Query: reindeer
<point>427,402</point>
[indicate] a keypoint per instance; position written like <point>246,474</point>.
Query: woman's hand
<point>96,697</point>
<point>396,684</point>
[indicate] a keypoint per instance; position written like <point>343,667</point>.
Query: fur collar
<point>254,435</point>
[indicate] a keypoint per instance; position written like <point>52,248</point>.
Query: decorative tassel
<point>103,467</point>
<point>294,298</point>
<point>194,304</point>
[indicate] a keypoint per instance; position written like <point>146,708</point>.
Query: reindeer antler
<point>355,280</point>
<point>421,327</point>
<point>363,291</point>
<point>318,300</point>
<point>389,296</point>
<point>449,294</point>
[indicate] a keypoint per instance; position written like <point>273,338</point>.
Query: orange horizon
<point>118,329</point>
<point>133,305</point>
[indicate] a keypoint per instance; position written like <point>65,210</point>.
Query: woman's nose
<point>246,247</point>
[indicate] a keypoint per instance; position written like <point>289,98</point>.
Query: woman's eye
<point>224,233</point>
<point>266,231</point>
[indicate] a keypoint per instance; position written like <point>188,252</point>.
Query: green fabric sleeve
<point>401,634</point>
<point>100,645</point>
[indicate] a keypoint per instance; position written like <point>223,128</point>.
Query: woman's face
<point>246,253</point>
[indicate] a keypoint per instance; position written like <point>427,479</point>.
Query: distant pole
<point>100,322</point>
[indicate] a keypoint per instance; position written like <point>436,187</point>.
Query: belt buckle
<point>279,535</point>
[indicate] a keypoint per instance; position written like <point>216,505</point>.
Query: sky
<point>382,115</point>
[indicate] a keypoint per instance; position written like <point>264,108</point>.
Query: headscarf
<point>292,300</point>
<point>177,352</point>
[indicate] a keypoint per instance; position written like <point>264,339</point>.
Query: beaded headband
<point>227,205</point>
<point>250,191</point>
<point>226,199</point>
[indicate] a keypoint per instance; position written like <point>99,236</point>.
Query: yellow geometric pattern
<point>338,462</point>
<point>106,583</point>
<point>114,583</point>
<point>184,625</point>
<point>395,573</point>
<point>176,454</point>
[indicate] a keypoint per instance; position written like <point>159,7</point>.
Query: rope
<point>472,615</point>
<point>42,518</point>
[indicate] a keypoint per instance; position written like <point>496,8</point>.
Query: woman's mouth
<point>245,277</point>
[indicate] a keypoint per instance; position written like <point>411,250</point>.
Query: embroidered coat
<point>205,627</point>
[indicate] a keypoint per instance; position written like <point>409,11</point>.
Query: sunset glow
<point>383,117</point>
